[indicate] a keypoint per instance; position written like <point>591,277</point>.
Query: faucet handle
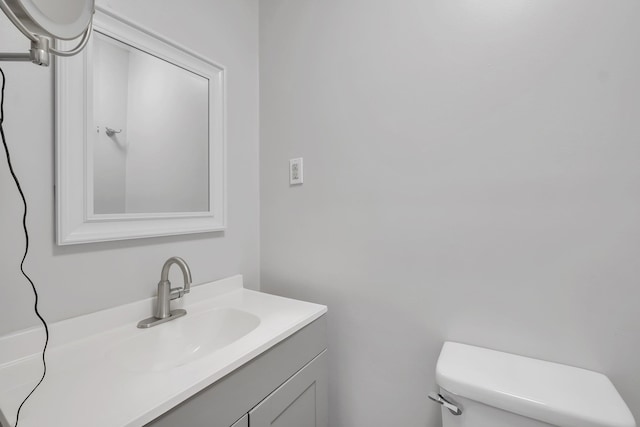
<point>177,293</point>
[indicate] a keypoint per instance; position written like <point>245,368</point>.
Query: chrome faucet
<point>166,294</point>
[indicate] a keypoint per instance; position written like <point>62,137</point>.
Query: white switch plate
<point>295,171</point>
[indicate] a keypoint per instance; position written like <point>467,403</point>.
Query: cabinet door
<point>242,422</point>
<point>302,401</point>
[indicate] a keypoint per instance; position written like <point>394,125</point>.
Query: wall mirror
<point>140,138</point>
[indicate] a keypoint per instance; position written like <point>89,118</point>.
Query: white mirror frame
<point>74,183</point>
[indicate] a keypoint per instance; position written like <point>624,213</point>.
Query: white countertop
<point>84,386</point>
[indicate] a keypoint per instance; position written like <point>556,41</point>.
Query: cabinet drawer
<point>300,402</point>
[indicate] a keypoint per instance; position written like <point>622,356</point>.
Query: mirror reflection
<point>151,121</point>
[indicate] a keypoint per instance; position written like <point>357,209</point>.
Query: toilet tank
<point>496,389</point>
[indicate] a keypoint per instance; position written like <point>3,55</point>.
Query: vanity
<point>237,358</point>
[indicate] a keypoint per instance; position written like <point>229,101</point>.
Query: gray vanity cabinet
<point>242,422</point>
<point>300,402</point>
<point>286,386</point>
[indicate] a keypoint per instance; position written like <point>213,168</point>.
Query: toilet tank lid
<point>557,394</point>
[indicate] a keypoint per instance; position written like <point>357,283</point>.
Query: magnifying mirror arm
<point>38,54</point>
<point>15,56</point>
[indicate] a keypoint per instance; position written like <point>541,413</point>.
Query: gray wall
<point>472,174</point>
<point>84,278</point>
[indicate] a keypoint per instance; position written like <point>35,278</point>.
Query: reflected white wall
<point>167,161</point>
<point>111,64</point>
<point>159,161</point>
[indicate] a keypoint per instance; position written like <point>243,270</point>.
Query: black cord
<point>26,249</point>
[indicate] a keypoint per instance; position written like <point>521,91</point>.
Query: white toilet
<point>487,388</point>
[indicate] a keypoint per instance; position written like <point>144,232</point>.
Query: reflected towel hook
<point>111,132</point>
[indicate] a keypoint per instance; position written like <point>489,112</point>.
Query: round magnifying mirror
<point>61,19</point>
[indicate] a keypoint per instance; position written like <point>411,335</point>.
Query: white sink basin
<point>183,340</point>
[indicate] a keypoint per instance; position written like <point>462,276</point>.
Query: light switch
<point>295,171</point>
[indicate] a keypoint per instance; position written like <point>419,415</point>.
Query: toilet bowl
<point>487,388</point>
